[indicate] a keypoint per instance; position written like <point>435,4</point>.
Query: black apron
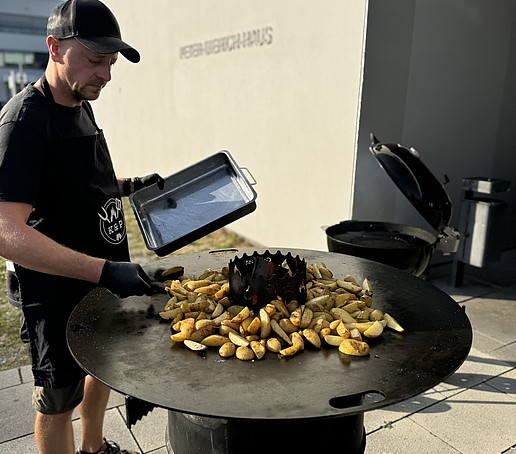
<point>79,206</point>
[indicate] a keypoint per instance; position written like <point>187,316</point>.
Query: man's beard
<point>82,94</point>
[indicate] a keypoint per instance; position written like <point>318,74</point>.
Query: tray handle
<point>248,172</point>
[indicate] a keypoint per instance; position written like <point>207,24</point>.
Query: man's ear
<point>54,45</point>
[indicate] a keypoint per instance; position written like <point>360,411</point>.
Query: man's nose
<point>105,72</point>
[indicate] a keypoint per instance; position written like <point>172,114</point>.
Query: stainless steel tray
<point>194,202</point>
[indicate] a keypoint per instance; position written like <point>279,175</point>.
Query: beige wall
<point>286,109</point>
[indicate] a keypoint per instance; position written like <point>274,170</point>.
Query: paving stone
<point>505,383</point>
<point>382,417</point>
<point>477,420</point>
<point>478,368</point>
<point>150,431</point>
<point>506,353</point>
<point>22,445</point>
<point>502,315</point>
<point>486,343</point>
<point>17,414</point>
<point>9,378</point>
<point>116,400</point>
<point>405,436</point>
<point>466,292</point>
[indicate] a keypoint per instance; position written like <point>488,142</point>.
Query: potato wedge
<point>281,307</point>
<point>273,344</point>
<point>325,332</point>
<point>242,315</point>
<point>178,337</point>
<point>171,313</point>
<point>349,286</point>
<point>215,340</point>
<point>195,346</point>
<point>332,339</point>
<point>199,334</point>
<point>355,334</point>
<point>367,286</point>
<point>254,326</point>
<point>219,309</point>
<point>306,318</point>
<point>280,332</point>
<point>350,306</point>
<point>287,325</point>
<point>244,325</point>
<point>376,314</point>
<point>361,326</point>
<point>230,323</point>
<point>342,314</point>
<point>335,323</point>
<point>221,318</point>
<point>312,337</point>
<point>208,289</point>
<point>227,349</point>
<point>374,330</point>
<point>238,340</point>
<point>203,323</point>
<point>393,323</point>
<point>244,353</point>
<point>342,331</point>
<point>318,300</point>
<point>192,285</point>
<point>295,316</point>
<point>223,291</point>
<point>297,345</point>
<point>187,326</point>
<point>265,323</point>
<point>258,349</point>
<point>354,347</point>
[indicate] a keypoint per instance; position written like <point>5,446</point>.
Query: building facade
<point>23,54</point>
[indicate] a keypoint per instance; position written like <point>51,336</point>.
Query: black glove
<point>134,184</point>
<point>148,180</point>
<point>124,279</point>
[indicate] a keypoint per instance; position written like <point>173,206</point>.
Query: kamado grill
<point>307,401</point>
<point>405,247</point>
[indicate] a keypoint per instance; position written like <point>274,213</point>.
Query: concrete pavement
<point>471,412</point>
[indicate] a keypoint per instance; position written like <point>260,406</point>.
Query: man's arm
<point>28,247</point>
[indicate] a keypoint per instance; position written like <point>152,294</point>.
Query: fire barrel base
<point>190,434</point>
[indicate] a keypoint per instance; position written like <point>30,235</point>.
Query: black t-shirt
<point>55,158</point>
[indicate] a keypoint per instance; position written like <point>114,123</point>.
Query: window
<point>14,23</point>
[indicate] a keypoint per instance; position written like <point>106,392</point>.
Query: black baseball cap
<point>93,24</point>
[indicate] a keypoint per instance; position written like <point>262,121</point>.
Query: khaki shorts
<point>54,401</point>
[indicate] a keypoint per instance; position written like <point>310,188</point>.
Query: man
<point>62,226</point>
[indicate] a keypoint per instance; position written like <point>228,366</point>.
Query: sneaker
<point>110,447</point>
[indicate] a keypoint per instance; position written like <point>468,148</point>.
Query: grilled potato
<point>354,347</point>
<point>244,353</point>
<point>227,349</point>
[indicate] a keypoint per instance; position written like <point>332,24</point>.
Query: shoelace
<point>109,447</point>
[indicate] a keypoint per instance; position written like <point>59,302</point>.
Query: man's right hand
<point>125,279</point>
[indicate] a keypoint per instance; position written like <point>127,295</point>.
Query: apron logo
<point>112,224</point>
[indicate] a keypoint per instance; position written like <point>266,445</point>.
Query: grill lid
<point>419,186</point>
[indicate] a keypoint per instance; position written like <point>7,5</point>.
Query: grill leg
<point>457,273</point>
